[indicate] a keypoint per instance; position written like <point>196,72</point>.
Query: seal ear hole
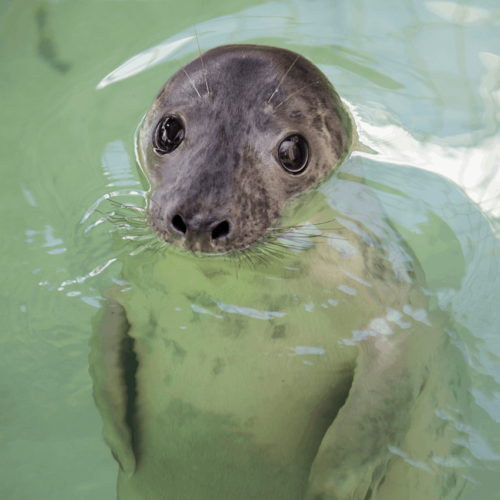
<point>168,134</point>
<point>179,224</point>
<point>221,230</point>
<point>293,154</point>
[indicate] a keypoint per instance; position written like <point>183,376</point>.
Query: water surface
<point>422,79</point>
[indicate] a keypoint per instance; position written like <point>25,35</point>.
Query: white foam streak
<point>142,61</point>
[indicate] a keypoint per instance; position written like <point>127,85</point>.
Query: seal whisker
<point>300,90</point>
<point>117,218</point>
<point>297,226</point>
<point>273,255</point>
<point>250,253</point>
<point>164,247</point>
<point>128,218</point>
<point>127,206</point>
<point>134,208</point>
<point>247,257</point>
<point>278,248</point>
<point>287,71</point>
<point>189,78</point>
<point>139,249</point>
<point>281,247</point>
<point>121,219</point>
<point>325,222</point>
<point>155,247</point>
<point>201,58</point>
<point>241,260</point>
<point>272,250</point>
<point>154,201</point>
<point>260,258</point>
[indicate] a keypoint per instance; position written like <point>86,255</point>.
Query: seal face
<point>231,138</point>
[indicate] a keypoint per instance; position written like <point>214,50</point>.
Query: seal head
<point>231,138</point>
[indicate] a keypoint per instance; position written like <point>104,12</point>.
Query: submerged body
<point>278,369</point>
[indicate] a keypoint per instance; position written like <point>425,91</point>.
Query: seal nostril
<point>179,224</point>
<point>221,230</point>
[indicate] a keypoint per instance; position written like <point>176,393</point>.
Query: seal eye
<point>293,154</point>
<point>168,135</point>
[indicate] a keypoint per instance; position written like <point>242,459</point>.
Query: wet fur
<point>227,165</point>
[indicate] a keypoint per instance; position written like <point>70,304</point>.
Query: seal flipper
<point>353,456</point>
<point>112,365</point>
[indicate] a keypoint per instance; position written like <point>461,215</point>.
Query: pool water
<point>422,80</point>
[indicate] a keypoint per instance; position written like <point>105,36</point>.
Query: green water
<point>423,82</point>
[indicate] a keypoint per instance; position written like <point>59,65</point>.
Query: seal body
<point>260,356</point>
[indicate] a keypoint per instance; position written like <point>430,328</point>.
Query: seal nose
<point>218,229</point>
<point>178,223</point>
<point>221,230</point>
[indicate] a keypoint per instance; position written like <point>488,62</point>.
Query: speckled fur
<point>227,166</point>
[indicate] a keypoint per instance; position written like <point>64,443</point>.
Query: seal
<point>276,350</point>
